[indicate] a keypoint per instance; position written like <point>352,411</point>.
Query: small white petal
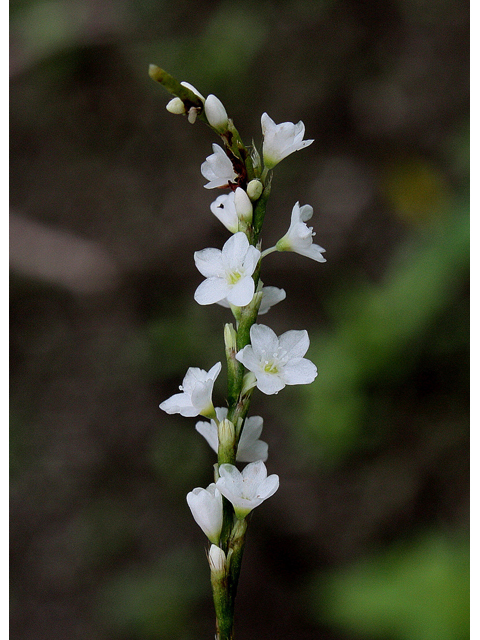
<point>301,371</point>
<point>241,293</point>
<point>296,343</point>
<point>211,290</point>
<point>208,262</point>
<point>269,384</point>
<point>263,339</point>
<point>270,297</point>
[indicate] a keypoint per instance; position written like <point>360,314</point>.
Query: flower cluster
<point>256,356</point>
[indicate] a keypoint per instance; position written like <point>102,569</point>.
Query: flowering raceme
<point>255,356</point>
<point>228,272</point>
<point>280,140</point>
<point>196,396</point>
<point>250,447</point>
<point>299,237</point>
<point>277,361</point>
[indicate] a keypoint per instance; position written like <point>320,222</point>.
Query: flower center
<point>233,277</point>
<point>270,366</point>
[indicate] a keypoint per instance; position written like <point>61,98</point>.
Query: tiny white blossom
<point>277,361</point>
<point>299,237</point>
<point>250,447</point>
<point>270,297</point>
<point>280,140</point>
<point>224,209</point>
<point>207,510</point>
<point>248,489</point>
<point>228,272</point>
<point>196,396</point>
<point>216,114</point>
<point>218,169</point>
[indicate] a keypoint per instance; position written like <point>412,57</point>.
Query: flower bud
<point>217,559</point>
<point>254,189</point>
<point>243,205</point>
<point>176,106</point>
<point>226,441</point>
<point>249,382</point>
<point>230,337</point>
<point>216,114</point>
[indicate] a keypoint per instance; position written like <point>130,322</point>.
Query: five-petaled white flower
<point>218,169</point>
<point>196,396</point>
<point>280,140</point>
<point>250,448</point>
<point>299,237</point>
<point>207,509</point>
<point>248,489</point>
<point>277,361</point>
<point>224,209</point>
<point>228,272</point>
<point>270,297</point>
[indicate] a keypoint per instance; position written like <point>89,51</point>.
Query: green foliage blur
<point>367,537</point>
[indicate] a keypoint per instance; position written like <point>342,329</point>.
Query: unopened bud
<point>176,106</point>
<point>226,436</point>
<point>249,382</point>
<point>216,113</point>
<point>254,189</point>
<point>230,336</point>
<point>217,560</point>
<point>243,205</point>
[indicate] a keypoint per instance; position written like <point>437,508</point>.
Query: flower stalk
<point>255,356</point>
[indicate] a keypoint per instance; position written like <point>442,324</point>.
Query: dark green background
<point>367,537</point>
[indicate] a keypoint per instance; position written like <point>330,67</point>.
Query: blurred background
<point>367,537</point>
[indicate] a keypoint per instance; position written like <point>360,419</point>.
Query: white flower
<point>280,140</point>
<point>299,237</point>
<point>216,113</point>
<point>250,448</point>
<point>218,169</point>
<point>224,209</point>
<point>270,297</point>
<point>196,396</point>
<point>207,509</point>
<point>248,489</point>
<point>228,272</point>
<point>277,361</point>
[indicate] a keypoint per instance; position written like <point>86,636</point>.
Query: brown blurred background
<point>367,537</point>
